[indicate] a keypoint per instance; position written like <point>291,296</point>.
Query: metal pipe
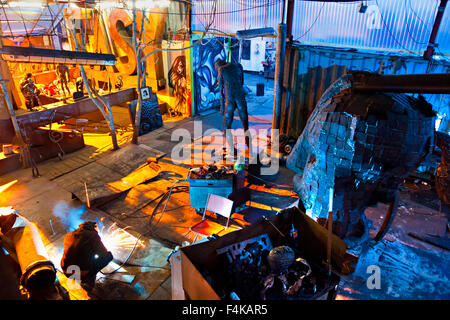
<point>411,83</point>
<point>109,118</point>
<point>39,55</point>
<point>37,270</point>
<point>437,22</point>
<point>279,71</point>
<point>290,16</point>
<point>137,117</point>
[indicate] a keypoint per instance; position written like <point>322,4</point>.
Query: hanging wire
<point>391,34</point>
<point>407,25</point>
<point>7,20</point>
<point>312,25</point>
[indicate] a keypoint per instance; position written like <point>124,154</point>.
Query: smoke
<point>69,216</point>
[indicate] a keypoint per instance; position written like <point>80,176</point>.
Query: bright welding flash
<point>294,232</point>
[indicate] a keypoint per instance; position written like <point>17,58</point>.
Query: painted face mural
<point>177,81</point>
<point>363,145</point>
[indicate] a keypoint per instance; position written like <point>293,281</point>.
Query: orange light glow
<point>6,186</point>
<point>4,211</point>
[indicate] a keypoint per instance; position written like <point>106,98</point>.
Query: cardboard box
<point>191,263</point>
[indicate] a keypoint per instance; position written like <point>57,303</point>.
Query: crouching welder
<point>84,249</point>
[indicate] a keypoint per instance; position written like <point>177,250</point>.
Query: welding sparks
<point>115,238</point>
<point>4,211</point>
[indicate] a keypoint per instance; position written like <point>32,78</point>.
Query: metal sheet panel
<point>319,67</point>
<point>233,15</point>
<point>386,25</point>
<point>443,36</point>
<point>393,25</point>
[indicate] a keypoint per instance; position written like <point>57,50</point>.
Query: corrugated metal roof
<point>443,37</point>
<point>387,25</point>
<point>399,25</point>
<point>29,21</point>
<point>233,15</point>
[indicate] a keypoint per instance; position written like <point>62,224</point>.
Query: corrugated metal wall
<point>394,25</point>
<point>380,36</point>
<point>313,69</point>
<point>443,37</point>
<point>387,25</point>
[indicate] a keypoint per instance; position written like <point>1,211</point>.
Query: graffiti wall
<point>177,78</point>
<point>205,55</point>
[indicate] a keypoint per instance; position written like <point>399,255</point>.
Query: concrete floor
<point>410,268</point>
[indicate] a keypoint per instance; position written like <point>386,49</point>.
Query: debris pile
<point>258,271</point>
<point>211,171</point>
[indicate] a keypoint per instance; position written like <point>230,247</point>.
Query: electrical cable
<point>270,183</point>
<point>391,34</point>
<point>414,12</point>
<point>208,13</point>
<point>168,197</point>
<point>176,189</point>
<point>423,23</point>
<point>312,25</point>
<point>126,260</point>
<point>162,197</point>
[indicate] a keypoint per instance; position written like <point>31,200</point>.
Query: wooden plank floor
<point>54,168</point>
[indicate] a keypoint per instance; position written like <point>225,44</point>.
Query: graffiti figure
<point>64,77</point>
<point>231,81</point>
<point>177,81</point>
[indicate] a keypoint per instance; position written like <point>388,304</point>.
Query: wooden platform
<point>62,112</point>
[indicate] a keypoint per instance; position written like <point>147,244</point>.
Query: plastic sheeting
<point>388,25</point>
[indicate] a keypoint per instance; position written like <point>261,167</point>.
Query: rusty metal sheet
<point>101,194</point>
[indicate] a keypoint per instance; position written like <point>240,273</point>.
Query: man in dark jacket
<point>84,248</point>
<point>231,81</point>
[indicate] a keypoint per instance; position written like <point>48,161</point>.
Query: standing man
<point>231,81</point>
<point>64,77</point>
